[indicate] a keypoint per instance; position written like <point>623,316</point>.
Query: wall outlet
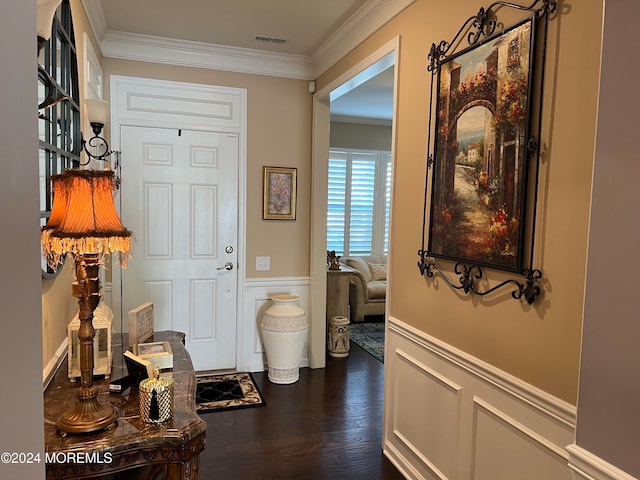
<point>263,264</point>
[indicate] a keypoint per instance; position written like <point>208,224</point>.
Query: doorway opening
<point>374,78</point>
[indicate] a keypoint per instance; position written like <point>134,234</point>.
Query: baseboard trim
<point>587,466</point>
<point>550,405</point>
<point>400,461</point>
<point>54,363</point>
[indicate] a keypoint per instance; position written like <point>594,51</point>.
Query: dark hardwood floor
<point>328,425</point>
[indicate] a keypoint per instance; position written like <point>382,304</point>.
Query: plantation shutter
<point>363,174</point>
<point>387,203</point>
<point>358,201</point>
<point>337,200</point>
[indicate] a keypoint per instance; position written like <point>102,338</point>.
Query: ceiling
<point>304,24</point>
<point>369,102</point>
<point>293,27</point>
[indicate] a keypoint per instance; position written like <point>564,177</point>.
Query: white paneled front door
<point>180,199</point>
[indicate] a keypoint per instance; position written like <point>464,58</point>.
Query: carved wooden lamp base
<point>84,223</point>
<point>87,416</point>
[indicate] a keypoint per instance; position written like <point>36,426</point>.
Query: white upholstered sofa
<point>368,285</point>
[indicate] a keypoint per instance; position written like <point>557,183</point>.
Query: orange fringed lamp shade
<point>59,209</point>
<point>84,218</point>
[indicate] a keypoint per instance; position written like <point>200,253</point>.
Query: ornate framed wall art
<point>482,171</point>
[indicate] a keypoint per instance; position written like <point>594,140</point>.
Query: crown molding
<point>96,18</point>
<point>149,48</point>
<point>362,24</point>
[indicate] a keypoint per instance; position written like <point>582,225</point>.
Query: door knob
<point>227,266</point>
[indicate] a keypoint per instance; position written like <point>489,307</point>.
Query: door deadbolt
<point>228,249</point>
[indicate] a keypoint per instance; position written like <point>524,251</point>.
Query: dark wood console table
<point>131,449</point>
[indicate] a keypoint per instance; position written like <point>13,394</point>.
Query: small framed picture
<point>279,186</point>
<point>141,324</point>
<point>158,353</point>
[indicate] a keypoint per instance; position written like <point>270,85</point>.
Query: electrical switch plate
<point>263,264</point>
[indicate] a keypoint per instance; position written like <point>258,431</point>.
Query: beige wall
<point>539,344</point>
<point>279,134</point>
<point>362,136</point>
<point>58,306</point>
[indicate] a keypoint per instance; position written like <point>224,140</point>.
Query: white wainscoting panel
<point>504,448</point>
<point>257,294</point>
<point>451,416</point>
<point>433,439</point>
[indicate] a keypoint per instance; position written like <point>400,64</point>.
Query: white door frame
<point>319,166</point>
<point>123,113</point>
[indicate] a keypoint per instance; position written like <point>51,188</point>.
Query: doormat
<point>232,390</point>
<point>369,336</point>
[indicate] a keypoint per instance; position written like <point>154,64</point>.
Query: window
<point>59,114</point>
<point>359,194</point>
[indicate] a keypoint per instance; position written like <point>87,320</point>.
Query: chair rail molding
<point>587,466</point>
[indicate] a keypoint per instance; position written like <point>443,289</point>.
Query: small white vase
<point>284,334</point>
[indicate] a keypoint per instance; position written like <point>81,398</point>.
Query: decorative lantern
<point>102,319</point>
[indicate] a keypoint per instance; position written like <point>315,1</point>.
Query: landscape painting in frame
<point>480,171</point>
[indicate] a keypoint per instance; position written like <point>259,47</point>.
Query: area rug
<point>369,336</point>
<point>232,390</point>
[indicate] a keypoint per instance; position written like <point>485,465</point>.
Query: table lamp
<point>84,223</point>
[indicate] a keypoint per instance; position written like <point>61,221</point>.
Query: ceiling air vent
<point>270,39</point>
